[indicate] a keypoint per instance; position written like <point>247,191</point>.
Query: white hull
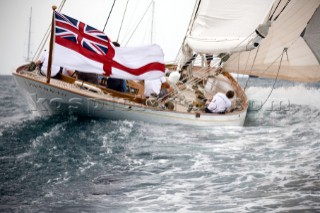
<point>50,99</point>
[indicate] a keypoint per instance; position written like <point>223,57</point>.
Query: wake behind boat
<point>195,78</point>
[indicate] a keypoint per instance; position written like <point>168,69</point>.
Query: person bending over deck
<point>220,103</point>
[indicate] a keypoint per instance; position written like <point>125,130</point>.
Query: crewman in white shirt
<point>220,103</point>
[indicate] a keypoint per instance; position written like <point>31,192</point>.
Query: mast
<point>29,36</point>
<point>185,52</point>
<point>152,21</point>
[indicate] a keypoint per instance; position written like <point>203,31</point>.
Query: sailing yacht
<point>252,37</point>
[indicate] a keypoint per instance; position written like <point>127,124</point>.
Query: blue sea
<point>73,164</point>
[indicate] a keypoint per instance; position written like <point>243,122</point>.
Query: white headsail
<point>297,29</point>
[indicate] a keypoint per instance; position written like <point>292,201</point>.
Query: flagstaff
<point>51,45</point>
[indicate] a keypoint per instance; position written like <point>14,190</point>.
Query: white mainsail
<point>290,50</point>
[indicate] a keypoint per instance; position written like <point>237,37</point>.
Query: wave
<point>298,95</point>
<point>137,167</point>
<point>284,105</point>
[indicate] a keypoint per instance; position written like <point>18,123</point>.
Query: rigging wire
<point>284,7</point>
<point>238,68</point>
<point>255,57</point>
<point>124,14</point>
<point>139,23</point>
<point>276,79</point>
<point>134,10</point>
<point>247,62</point>
<point>114,1</point>
<point>46,36</point>
<point>282,10</point>
<point>270,18</point>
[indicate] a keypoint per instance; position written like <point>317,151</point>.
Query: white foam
<point>299,95</point>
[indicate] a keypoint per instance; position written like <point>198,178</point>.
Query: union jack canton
<point>84,39</point>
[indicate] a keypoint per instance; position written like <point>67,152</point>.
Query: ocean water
<point>73,164</point>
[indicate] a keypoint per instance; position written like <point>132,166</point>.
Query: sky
<point>168,20</point>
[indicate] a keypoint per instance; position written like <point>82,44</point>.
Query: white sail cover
<point>296,28</point>
<point>222,25</point>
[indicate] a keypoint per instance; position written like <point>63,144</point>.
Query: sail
<point>292,48</point>
<point>222,26</point>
